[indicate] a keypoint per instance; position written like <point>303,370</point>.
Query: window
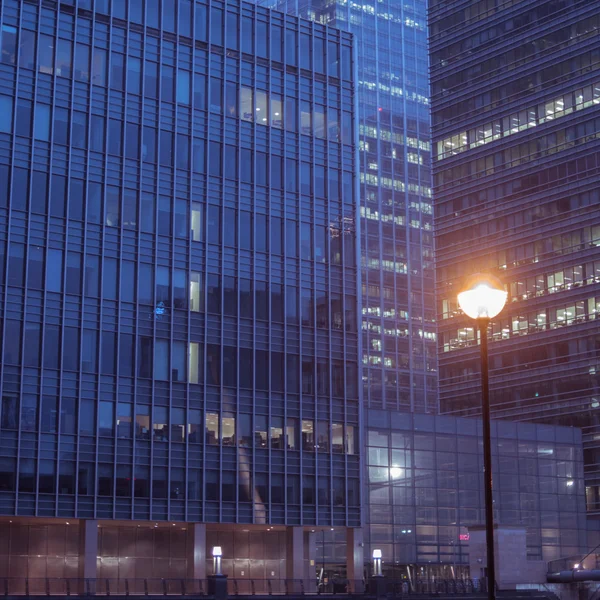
<point>351,441</point>
<point>106,419</point>
<point>54,270</point>
<point>245,430</point>
<point>142,422</point>
<point>99,67</point>
<point>124,419</point>
<point>231,100</point>
<point>180,294</point>
<point>261,439</point>
<point>167,81</point>
<point>323,436</point>
<point>216,95</point>
<point>308,436</point>
<point>247,34</point>
<point>165,145</point>
<point>6,114</point>
<point>161,360</point>
<point>183,87</point>
<point>24,117</point>
<point>305,241</point>
<point>195,363</point>
<point>337,438</point>
<point>262,116</point>
<point>291,434</point>
<point>290,114</point>
<point>64,58</point>
<point>194,426</point>
<point>196,292</point>
<point>197,222</point>
<point>198,152</point>
<point>276,111</point>
<point>214,159</point>
<point>246,104</point>
<point>212,429</point>
<point>134,75</point>
<point>82,62</point>
<point>150,79</point>
<point>277,439</point>
<point>228,431</point>
<point>46,54</point>
<point>160,424</point>
<point>8,44</point>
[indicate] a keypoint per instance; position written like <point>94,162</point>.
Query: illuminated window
<point>212,429</point>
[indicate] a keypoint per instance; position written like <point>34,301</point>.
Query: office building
<point>398,309</point>
<point>516,122</point>
<point>425,492</point>
<point>178,286</point>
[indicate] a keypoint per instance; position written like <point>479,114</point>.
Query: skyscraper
<point>398,309</point>
<point>178,282</point>
<point>516,122</point>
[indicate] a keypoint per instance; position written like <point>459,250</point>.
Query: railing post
<point>127,587</point>
<point>269,587</point>
<point>252,587</point>
<point>164,586</point>
<point>183,587</point>
<point>108,587</point>
<point>145,587</point>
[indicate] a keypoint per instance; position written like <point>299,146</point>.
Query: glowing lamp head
<point>396,472</point>
<point>482,297</point>
<point>217,551</point>
<point>376,553</point>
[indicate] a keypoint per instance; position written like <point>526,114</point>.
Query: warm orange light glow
<point>483,297</point>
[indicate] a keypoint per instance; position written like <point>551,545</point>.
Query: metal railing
<point>583,561</point>
<point>30,586</point>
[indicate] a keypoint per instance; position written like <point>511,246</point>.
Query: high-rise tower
<point>516,129</point>
<point>179,298</point>
<point>399,364</point>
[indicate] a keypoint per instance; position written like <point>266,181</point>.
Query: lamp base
<point>217,586</point>
<point>377,586</point>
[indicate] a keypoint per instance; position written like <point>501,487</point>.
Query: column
<point>196,551</point>
<point>88,555</point>
<point>355,559</point>
<point>310,559</point>
<point>294,559</point>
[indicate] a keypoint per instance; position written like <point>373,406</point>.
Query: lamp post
<point>482,298</point>
<point>217,554</point>
<point>377,572</point>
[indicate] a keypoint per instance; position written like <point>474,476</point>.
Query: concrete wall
<point>510,548</point>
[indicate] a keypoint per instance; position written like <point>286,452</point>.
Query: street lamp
<point>482,298</point>
<point>377,555</point>
<point>217,554</point>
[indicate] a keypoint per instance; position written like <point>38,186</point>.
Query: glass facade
<point>425,489</point>
<point>516,116</point>
<point>398,309</point>
<point>178,264</point>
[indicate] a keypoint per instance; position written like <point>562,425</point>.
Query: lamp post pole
<point>487,459</point>
<point>323,559</point>
<point>483,297</point>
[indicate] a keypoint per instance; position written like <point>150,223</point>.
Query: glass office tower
<point>398,311</point>
<point>178,265</point>
<point>516,122</point>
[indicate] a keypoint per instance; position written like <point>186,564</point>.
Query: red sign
<point>464,537</point>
